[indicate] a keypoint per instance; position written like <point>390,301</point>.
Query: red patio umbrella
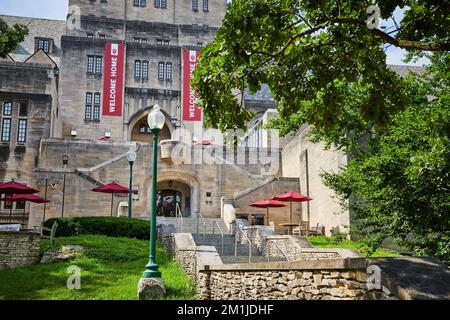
<point>267,204</point>
<point>25,197</point>
<point>292,197</point>
<point>113,188</point>
<point>14,187</point>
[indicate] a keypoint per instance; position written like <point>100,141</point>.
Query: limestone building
<point>74,98</point>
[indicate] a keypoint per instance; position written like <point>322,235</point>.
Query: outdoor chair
<point>52,234</point>
<point>315,231</point>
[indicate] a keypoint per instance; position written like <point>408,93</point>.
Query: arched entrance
<point>138,129</point>
<point>173,193</point>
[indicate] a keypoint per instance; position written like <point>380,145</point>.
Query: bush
<point>108,226</point>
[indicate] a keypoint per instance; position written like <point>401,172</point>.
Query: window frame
<point>205,5</point>
<point>145,66</point>
<point>194,5</point>
<point>169,75</point>
<point>137,69</point>
<point>22,131</point>
<point>161,70</point>
<point>4,120</point>
<point>11,109</point>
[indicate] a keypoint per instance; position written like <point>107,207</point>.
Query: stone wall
<point>342,279</point>
<point>18,249</point>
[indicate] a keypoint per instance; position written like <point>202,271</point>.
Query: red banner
<point>191,112</point>
<point>113,79</point>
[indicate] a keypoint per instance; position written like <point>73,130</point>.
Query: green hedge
<point>108,226</point>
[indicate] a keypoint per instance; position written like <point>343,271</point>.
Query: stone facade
<point>18,249</point>
<point>29,111</point>
<point>306,161</point>
<point>171,30</point>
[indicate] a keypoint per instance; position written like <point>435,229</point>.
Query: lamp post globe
<point>131,157</point>
<point>156,121</point>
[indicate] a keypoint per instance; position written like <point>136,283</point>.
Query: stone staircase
<point>205,237</point>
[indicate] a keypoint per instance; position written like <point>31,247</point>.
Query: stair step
<point>244,259</point>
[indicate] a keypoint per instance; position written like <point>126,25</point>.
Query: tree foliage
<point>403,175</point>
<point>316,57</point>
<point>10,37</point>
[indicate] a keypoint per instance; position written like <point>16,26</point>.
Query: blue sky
<point>57,9</point>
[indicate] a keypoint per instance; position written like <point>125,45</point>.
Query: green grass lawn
<point>111,269</point>
<point>326,242</point>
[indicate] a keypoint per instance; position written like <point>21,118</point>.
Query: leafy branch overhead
<point>10,37</point>
<point>319,58</point>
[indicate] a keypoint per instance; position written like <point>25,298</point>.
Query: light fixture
<point>107,133</point>
<point>73,132</point>
<point>175,122</point>
<point>65,160</point>
<point>131,156</point>
<point>156,118</point>
<point>170,184</point>
<point>194,139</point>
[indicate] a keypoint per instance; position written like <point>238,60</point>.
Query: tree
<point>10,37</point>
<point>326,67</point>
<point>403,175</point>
<point>313,55</point>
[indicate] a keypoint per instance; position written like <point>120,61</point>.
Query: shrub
<point>108,226</point>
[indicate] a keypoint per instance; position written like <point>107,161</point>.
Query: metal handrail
<point>221,232</point>
<point>179,217</point>
<point>249,245</point>
<point>199,216</point>
<point>279,249</point>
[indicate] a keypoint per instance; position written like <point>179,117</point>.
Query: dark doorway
<point>167,202</point>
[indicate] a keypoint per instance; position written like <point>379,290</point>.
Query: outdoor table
<point>290,226</point>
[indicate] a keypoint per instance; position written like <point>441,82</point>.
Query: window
<point>92,108</point>
<point>88,108</point>
<point>195,5</point>
<point>90,64</point>
<point>44,45</point>
<point>145,70</point>
<point>157,3</point>
<point>7,108</point>
<point>169,71</point>
<point>205,5</point>
<point>102,36</point>
<point>159,42</point>
<point>20,205</point>
<point>163,4</point>
<point>140,3</point>
<point>22,130</point>
<point>23,110</point>
<point>95,64</point>
<point>97,113</point>
<point>161,66</point>
<point>98,65</point>
<point>90,35</point>
<point>137,40</point>
<point>137,69</point>
<point>166,42</point>
<point>6,129</point>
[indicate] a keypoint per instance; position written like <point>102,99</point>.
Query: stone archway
<point>138,127</point>
<point>184,182</point>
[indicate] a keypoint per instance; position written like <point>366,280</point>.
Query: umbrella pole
<point>112,201</point>
<point>23,218</point>
<point>10,209</point>
<point>268,222</point>
<point>291,212</point>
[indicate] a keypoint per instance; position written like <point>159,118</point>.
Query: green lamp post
<point>131,157</point>
<point>156,120</point>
